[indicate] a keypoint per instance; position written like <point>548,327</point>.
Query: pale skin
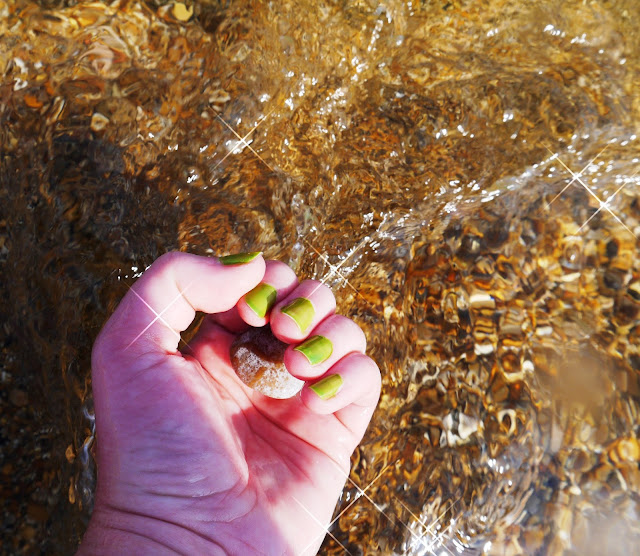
<point>192,461</point>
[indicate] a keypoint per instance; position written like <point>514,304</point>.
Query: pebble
<point>18,397</point>
<point>257,357</point>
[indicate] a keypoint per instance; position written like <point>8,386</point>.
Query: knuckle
<point>167,259</point>
<point>318,288</point>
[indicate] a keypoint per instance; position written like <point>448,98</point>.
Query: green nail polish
<point>238,258</point>
<point>261,299</point>
<point>300,310</point>
<point>328,386</point>
<point>316,349</point>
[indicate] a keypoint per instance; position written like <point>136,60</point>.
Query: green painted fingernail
<point>328,386</point>
<point>261,299</point>
<point>316,349</point>
<point>300,310</point>
<point>238,258</point>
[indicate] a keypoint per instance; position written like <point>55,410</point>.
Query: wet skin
<point>192,460</point>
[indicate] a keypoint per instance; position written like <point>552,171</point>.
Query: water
<point>441,165</point>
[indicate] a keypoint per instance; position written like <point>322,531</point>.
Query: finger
<point>331,340</point>
<point>230,320</point>
<point>298,314</point>
<point>278,282</point>
<point>354,380</point>
<point>211,345</point>
<point>163,302</point>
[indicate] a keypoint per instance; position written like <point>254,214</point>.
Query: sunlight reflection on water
<point>463,175</point>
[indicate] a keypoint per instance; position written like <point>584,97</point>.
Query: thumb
<point>164,301</point>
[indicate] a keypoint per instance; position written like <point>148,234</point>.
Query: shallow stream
<point>463,174</point>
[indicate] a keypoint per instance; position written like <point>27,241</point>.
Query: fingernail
<point>316,349</point>
<point>301,311</point>
<point>328,386</point>
<point>238,258</point>
<point>261,299</point>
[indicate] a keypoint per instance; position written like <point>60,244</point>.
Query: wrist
<point>116,532</point>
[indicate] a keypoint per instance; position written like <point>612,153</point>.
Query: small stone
<point>625,450</point>
<point>27,532</point>
<point>482,301</point>
<point>257,357</point>
<point>32,101</point>
<point>18,397</point>
<point>37,512</point>
<point>99,121</point>
<point>72,491</point>
<point>181,12</point>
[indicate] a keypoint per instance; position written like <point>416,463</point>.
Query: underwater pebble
<point>182,12</point>
<point>98,121</point>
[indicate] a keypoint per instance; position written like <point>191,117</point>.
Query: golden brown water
<point>440,164</point>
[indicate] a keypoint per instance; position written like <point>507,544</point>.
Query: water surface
<point>464,175</point>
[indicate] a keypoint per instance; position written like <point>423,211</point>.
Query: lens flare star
<point>360,493</point>
<point>601,204</point>
<point>242,142</point>
<point>437,537</point>
<point>325,529</point>
<point>158,316</point>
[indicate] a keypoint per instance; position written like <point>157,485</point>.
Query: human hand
<point>190,460</point>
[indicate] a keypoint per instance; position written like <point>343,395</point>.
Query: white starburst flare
<point>335,269</point>
<point>601,204</point>
<point>606,203</point>
<point>158,316</point>
<point>362,492</point>
<point>428,528</point>
<point>350,503</point>
<point>325,529</point>
<point>242,141</point>
<point>554,156</point>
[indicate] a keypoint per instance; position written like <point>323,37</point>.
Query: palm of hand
<point>188,445</point>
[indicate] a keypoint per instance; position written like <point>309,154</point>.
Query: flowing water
<point>463,174</point>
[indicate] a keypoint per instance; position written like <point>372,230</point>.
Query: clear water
<point>463,174</point>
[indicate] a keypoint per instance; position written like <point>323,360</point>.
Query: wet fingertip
<point>316,349</point>
<point>324,396</point>
<point>239,258</point>
<point>354,379</point>
<point>261,299</point>
<point>327,387</point>
<point>301,311</point>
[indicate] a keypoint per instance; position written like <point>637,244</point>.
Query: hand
<point>190,460</point>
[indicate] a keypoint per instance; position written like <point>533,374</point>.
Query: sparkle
<point>575,177</point>
<point>360,492</point>
<point>605,204</point>
<point>442,535</point>
<point>428,528</point>
<point>601,204</point>
<point>158,315</point>
<point>336,269</point>
<point>376,506</point>
<point>243,141</point>
<point>326,529</point>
